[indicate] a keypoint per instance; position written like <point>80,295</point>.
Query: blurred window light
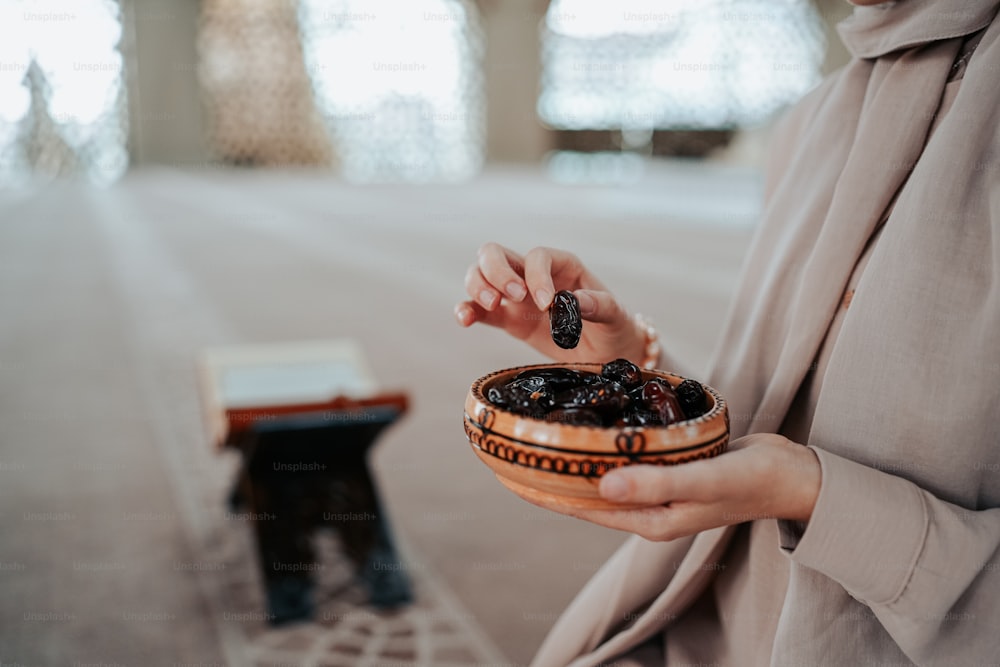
<point>257,96</point>
<point>676,64</point>
<point>62,90</point>
<point>597,168</point>
<point>400,86</point>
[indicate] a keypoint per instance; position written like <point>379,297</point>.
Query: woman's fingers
<point>465,313</point>
<point>600,306</point>
<point>513,293</point>
<point>538,275</point>
<point>543,267</point>
<point>595,305</point>
<point>501,269</point>
<point>501,273</point>
<point>468,313</point>
<point>749,482</point>
<point>480,290</point>
<point>658,524</point>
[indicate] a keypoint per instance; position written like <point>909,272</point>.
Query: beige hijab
<point>913,384</point>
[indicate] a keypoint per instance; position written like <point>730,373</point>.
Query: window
<point>258,98</point>
<point>399,84</point>
<point>62,92</point>
<point>641,65</point>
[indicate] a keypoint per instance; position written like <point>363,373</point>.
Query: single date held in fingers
<point>564,320</point>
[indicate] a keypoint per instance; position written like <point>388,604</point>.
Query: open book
<point>288,385</point>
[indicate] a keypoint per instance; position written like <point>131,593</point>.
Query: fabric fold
<point>872,32</point>
<point>882,517</point>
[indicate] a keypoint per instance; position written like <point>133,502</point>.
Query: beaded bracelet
<point>651,352</point>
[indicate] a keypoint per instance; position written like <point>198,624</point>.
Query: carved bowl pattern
<point>562,463</point>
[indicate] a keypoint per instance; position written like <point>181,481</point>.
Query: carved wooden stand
<point>309,471</point>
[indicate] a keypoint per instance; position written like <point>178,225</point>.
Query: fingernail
<point>588,304</point>
<point>487,298</point>
<point>464,315</point>
<point>516,290</point>
<point>613,487</point>
<point>543,297</point>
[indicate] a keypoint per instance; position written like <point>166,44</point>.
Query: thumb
<point>642,485</point>
<point>599,306</point>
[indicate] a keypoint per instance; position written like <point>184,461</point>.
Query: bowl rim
<point>477,391</point>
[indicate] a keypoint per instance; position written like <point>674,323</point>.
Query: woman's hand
<point>513,293</point>
<point>762,476</point>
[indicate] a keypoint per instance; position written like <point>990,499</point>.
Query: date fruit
<point>624,372</point>
<point>617,396</point>
<point>660,400</point>
<point>607,399</point>
<point>523,397</point>
<point>565,322</point>
<point>692,398</point>
<point>554,379</point>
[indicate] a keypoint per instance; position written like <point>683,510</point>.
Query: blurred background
<point>188,174</point>
<point>420,91</point>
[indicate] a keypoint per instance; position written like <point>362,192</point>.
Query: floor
<point>115,543</point>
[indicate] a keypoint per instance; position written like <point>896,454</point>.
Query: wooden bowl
<point>558,463</point>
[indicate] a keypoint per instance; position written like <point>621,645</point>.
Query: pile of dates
<point>617,396</point>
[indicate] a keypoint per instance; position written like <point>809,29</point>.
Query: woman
<point>861,361</point>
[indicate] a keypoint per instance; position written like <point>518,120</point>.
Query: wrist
<point>804,482</point>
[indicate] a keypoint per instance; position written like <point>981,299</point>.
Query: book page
<point>286,373</point>
<point>284,384</point>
